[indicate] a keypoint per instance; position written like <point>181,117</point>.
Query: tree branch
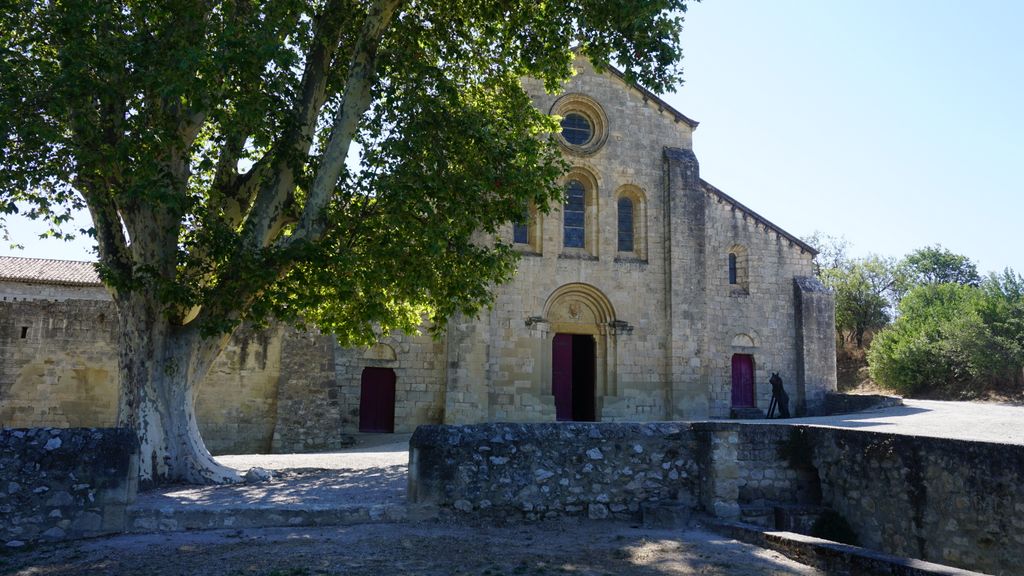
<point>361,74</point>
<point>268,211</point>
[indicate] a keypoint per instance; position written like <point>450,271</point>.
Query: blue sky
<point>896,124</point>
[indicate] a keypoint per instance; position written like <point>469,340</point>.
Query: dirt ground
<point>428,549</point>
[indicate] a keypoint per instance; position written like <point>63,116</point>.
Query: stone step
<point>763,516</point>
<point>179,518</point>
<point>750,413</point>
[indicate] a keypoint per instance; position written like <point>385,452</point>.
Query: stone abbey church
<point>649,295</point>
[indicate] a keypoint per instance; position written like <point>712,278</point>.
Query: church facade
<point>649,295</point>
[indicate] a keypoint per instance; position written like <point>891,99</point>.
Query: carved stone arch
<point>746,340</point>
<point>580,309</point>
<point>638,199</point>
<point>380,352</point>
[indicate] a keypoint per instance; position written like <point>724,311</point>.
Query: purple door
<point>561,376</point>
<point>742,380</point>
<point>377,400</point>
<point>572,377</point>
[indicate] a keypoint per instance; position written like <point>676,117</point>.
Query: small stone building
<point>649,295</point>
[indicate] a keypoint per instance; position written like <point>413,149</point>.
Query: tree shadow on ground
<point>310,487</point>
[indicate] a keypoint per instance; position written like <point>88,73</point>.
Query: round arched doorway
<point>579,316</point>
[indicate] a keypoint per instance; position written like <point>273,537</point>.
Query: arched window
<point>626,224</point>
<point>739,270</point>
<point>631,223</point>
<point>574,216</point>
<point>521,229</point>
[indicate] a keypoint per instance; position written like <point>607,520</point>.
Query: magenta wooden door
<point>377,400</point>
<point>742,380</point>
<point>561,375</point>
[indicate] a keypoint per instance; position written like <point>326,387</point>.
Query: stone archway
<point>579,355</point>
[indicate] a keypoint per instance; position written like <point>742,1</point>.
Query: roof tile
<point>44,271</point>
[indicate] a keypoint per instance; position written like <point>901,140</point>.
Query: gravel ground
<point>977,421</point>
<point>428,549</point>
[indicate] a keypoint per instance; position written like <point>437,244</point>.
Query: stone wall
<point>59,369</point>
<point>538,471</point>
<point>57,484</point>
<point>946,501</point>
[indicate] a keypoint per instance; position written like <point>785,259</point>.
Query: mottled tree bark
<point>161,367</point>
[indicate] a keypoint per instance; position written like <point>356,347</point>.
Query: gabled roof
<point>44,271</point>
<point>648,95</point>
<point>758,219</point>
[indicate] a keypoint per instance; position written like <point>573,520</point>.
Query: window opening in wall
<point>24,331</point>
<point>576,129</point>
<point>625,225</point>
<point>732,269</point>
<point>521,230</point>
<point>574,215</point>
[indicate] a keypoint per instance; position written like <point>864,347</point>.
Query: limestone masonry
<point>650,295</point>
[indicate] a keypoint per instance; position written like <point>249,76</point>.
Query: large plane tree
<point>344,164</point>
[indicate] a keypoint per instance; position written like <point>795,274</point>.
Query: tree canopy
<point>344,163</point>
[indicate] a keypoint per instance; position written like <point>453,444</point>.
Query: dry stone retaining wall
<point>58,484</point>
<point>946,501</point>
<point>538,471</point>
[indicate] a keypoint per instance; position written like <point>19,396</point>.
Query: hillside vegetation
<point>926,325</point>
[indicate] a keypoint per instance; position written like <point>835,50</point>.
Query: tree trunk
<point>161,366</point>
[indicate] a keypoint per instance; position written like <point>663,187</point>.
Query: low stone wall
<point>57,484</point>
<point>946,501</point>
<point>838,403</point>
<point>547,470</point>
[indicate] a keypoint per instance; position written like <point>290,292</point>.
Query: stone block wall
<point>941,500</point>
<point>945,501</point>
<point>59,369</point>
<point>57,484</point>
<point>536,471</point>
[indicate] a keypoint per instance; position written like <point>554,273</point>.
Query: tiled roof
<point>43,271</point>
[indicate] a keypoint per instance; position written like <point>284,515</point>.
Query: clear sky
<point>894,123</point>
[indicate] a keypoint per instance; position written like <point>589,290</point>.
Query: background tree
<point>954,340</point>
<point>934,265</point>
<point>208,141</point>
<point>863,289</point>
<point>832,251</point>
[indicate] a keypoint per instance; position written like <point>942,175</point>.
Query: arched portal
<point>579,317</point>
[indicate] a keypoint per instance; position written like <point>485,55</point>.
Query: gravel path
<point>370,451</point>
<point>977,421</point>
<point>434,549</point>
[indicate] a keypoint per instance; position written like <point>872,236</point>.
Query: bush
<point>951,340</point>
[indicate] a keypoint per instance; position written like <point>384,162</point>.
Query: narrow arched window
<point>574,215</point>
<point>521,229</point>
<point>625,224</point>
<point>732,269</point>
